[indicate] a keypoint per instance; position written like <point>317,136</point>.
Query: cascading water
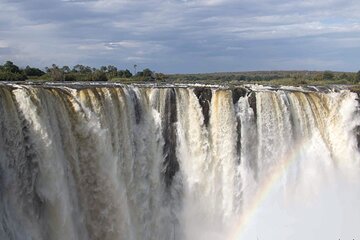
<point>170,163</point>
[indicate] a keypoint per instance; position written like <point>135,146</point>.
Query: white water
<point>123,162</point>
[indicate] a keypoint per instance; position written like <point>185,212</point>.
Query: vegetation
<point>10,72</point>
<point>271,77</point>
<point>357,78</point>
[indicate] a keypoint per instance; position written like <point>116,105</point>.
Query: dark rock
<point>237,93</point>
<point>204,96</point>
<point>137,106</point>
<point>171,165</point>
<point>252,103</point>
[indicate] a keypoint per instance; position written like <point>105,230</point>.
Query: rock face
<point>239,92</point>
<point>204,95</point>
<point>170,162</point>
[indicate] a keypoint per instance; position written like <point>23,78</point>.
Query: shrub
<point>99,76</point>
<point>10,76</point>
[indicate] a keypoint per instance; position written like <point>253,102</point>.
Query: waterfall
<point>132,162</point>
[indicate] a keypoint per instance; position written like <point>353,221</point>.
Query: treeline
<point>267,76</point>
<point>11,72</point>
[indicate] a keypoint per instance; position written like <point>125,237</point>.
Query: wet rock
<point>171,164</point>
<point>204,96</point>
<point>237,93</point>
<point>252,103</point>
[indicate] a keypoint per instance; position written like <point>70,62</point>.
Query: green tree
<point>33,72</point>
<point>78,68</point>
<point>81,69</point>
<point>145,74</point>
<point>70,77</point>
<point>127,73</point>
<point>343,76</point>
<point>10,76</point>
<point>103,68</point>
<point>357,77</point>
<point>242,78</point>
<point>98,76</point>
<point>11,67</point>
<point>87,69</point>
<point>328,75</point>
<point>112,71</point>
<point>66,69</point>
<point>124,73</point>
<point>160,76</point>
<point>56,73</point>
<point>318,77</point>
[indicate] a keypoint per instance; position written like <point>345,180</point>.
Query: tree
<point>112,71</point>
<point>10,67</point>
<point>343,76</point>
<point>127,73</point>
<point>124,73</point>
<point>70,77</point>
<point>56,73</point>
<point>146,74</point>
<point>103,68</point>
<point>82,69</point>
<point>357,77</point>
<point>78,68</point>
<point>328,75</point>
<point>160,76</point>
<point>98,76</point>
<point>242,78</point>
<point>87,69</point>
<point>10,76</point>
<point>66,69</point>
<point>33,72</point>
<point>318,77</point>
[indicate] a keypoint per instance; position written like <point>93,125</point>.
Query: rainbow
<point>276,173</point>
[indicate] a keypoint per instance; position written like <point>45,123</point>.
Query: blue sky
<point>183,36</point>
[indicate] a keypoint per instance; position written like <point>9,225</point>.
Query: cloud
<point>182,35</point>
<point>3,44</point>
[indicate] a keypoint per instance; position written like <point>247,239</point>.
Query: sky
<point>183,36</point>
